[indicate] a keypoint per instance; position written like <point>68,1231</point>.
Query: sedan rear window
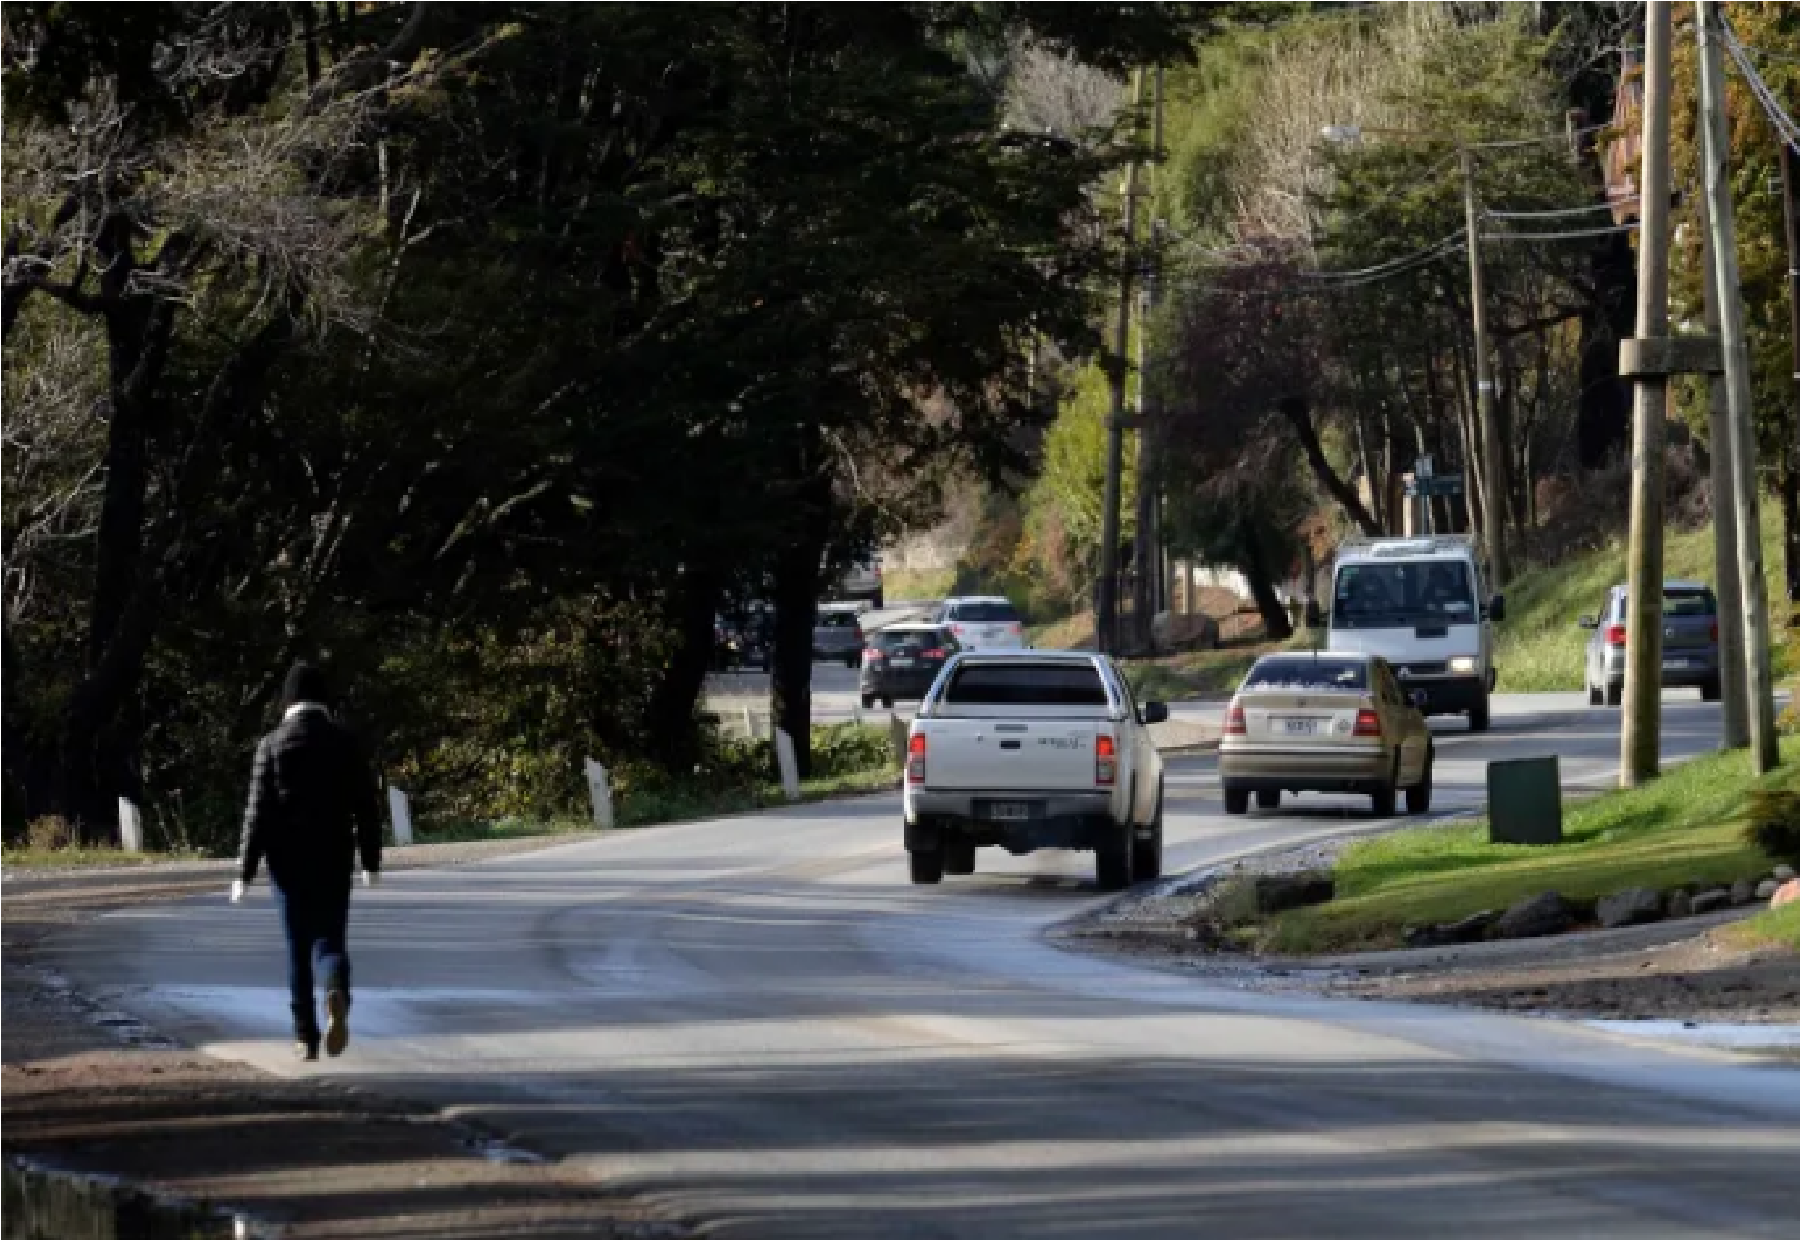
<point>836,620</point>
<point>982,613</point>
<point>890,639</point>
<point>1315,674</point>
<point>1026,684</point>
<point>1688,603</point>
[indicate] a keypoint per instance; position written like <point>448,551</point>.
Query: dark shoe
<point>337,1022</point>
<point>306,1049</point>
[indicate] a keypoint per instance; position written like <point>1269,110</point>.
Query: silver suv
<point>1690,643</point>
<point>837,633</point>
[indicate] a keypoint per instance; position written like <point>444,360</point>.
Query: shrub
<point>1774,824</point>
<point>50,833</point>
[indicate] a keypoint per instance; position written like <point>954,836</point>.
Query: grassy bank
<point>1201,673</point>
<point>1685,827</point>
<point>1779,927</point>
<point>1539,648</point>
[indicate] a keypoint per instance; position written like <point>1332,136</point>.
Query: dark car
<point>902,660</point>
<point>1690,655</point>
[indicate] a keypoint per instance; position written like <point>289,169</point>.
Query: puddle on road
<point>46,1205</point>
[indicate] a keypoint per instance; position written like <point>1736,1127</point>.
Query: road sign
<point>1450,484</point>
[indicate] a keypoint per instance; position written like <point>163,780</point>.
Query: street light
<point>1494,506</point>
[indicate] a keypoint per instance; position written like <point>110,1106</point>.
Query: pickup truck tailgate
<point>1011,754</point>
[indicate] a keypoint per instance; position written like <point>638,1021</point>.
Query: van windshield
<point>1408,592</point>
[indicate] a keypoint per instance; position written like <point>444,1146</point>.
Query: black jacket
<point>313,805</point>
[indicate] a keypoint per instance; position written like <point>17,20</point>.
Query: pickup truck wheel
<point>959,855</point>
<point>1712,690</point>
<point>1113,857</point>
<point>927,866</point>
<point>1146,855</point>
<point>1268,798</point>
<point>1237,800</point>
<point>1615,694</point>
<point>868,701</point>
<point>887,703</point>
<point>1418,797</point>
<point>851,660</point>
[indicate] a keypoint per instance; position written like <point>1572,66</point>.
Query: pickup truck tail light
<point>936,652</point>
<point>1106,761</point>
<point>1234,722</point>
<point>1368,723</point>
<point>1015,628</point>
<point>872,655</point>
<point>1615,635</point>
<point>915,759</point>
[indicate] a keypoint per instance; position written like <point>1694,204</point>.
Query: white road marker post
<point>131,827</point>
<point>749,725</point>
<point>600,793</point>
<point>784,758</point>
<point>400,813</point>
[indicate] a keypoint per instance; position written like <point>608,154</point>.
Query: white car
<point>983,622</point>
<point>1030,750</point>
<point>1420,603</point>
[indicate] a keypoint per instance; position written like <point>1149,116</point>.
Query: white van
<point>1421,604</point>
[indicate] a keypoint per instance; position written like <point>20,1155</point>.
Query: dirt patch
<point>314,1158</point>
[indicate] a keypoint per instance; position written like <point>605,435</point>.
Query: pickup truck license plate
<point>901,662</point>
<point>1674,663</point>
<point>1300,727</point>
<point>1009,811</point>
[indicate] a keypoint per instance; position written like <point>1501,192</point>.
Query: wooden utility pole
<point>1725,539</point>
<point>1764,751</point>
<point>1493,496</point>
<point>1790,209</point>
<point>1147,582</point>
<point>1106,609</point>
<point>1640,739</point>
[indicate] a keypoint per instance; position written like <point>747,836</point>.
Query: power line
<point>1590,209</point>
<point>1785,126</point>
<point>1570,235</point>
<point>1440,246</point>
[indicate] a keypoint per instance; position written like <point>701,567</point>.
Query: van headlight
<point>1463,664</point>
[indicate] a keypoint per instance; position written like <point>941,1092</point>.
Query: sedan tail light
<point>935,652</point>
<point>1234,722</point>
<point>1106,761</point>
<point>873,655</point>
<point>1615,635</point>
<point>1368,723</point>
<point>1015,627</point>
<point>915,759</point>
<point>1715,630</point>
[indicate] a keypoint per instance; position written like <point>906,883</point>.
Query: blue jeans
<point>316,922</point>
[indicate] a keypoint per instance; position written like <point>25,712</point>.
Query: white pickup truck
<point>1034,749</point>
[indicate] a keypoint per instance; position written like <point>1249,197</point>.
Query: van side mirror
<point>1315,615</point>
<point>1497,608</point>
<point>1156,712</point>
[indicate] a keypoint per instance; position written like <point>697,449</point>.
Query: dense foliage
<point>486,352</point>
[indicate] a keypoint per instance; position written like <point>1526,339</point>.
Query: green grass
<point>1778,927</point>
<point>1201,672</point>
<point>1685,827</point>
<point>28,858</point>
<point>1538,646</point>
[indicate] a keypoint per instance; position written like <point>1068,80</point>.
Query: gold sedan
<point>1324,722</point>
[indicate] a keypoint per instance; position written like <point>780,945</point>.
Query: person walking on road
<point>313,810</point>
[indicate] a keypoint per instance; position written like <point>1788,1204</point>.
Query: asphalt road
<point>759,1024</point>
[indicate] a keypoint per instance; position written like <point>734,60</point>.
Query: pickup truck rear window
<point>1025,684</point>
<point>1320,675</point>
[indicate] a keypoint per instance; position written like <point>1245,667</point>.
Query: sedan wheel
<point>1237,800</point>
<point>927,866</point>
<point>1382,800</point>
<point>1268,798</point>
<point>1418,797</point>
<point>1146,859</point>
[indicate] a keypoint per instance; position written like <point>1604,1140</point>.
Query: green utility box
<point>1525,801</point>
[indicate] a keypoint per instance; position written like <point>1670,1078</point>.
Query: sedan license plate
<point>1009,811</point>
<point>1670,664</point>
<point>1300,727</point>
<point>899,662</point>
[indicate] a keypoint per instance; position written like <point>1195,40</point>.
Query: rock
<point>1276,893</point>
<point>1632,907</point>
<point>1473,928</point>
<point>1742,892</point>
<point>1711,901</point>
<point>1788,893</point>
<point>1784,874</point>
<point>1766,889</point>
<point>1542,914</point>
<point>1424,936</point>
<point>1679,904</point>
